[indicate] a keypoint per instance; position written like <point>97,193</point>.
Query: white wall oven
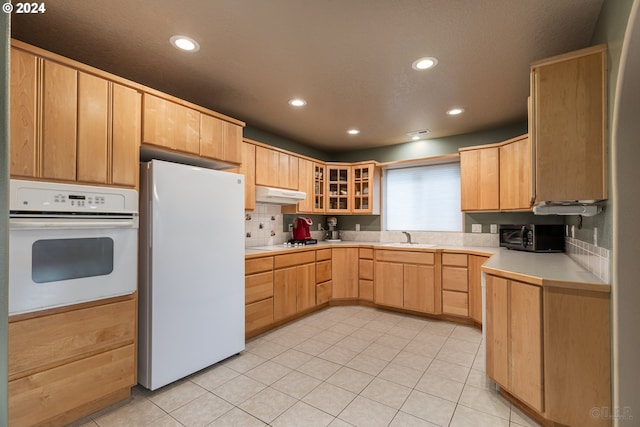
<point>70,244</point>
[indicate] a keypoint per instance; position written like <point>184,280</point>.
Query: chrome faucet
<point>408,236</point>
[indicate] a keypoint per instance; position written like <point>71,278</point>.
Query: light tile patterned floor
<point>342,366</point>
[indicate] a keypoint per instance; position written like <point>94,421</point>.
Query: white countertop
<point>544,269</point>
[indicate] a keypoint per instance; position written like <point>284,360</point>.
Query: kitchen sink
<point>409,245</point>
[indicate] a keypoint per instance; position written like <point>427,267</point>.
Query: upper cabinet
<point>568,126</point>
<point>339,188</point>
<point>479,178</point>
<point>220,140</point>
<point>275,168</point>
<point>365,178</point>
<point>496,177</point>
<point>515,174</point>
<point>70,125</point>
<point>170,125</point>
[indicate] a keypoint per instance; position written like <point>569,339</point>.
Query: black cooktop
<point>303,242</point>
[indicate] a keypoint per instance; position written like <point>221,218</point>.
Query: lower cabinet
<point>344,273</point>
<point>258,294</point>
<point>65,365</point>
<point>549,348</point>
<point>514,338</point>
<point>406,279</point>
<point>475,287</point>
<point>365,274</point>
<point>323,276</point>
<point>455,284</point>
<point>294,284</point>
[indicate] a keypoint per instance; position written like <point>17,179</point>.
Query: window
<point>423,198</point>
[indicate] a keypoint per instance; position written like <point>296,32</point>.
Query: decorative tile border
<point>593,258</point>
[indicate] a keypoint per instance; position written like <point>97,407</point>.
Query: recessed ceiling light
<point>297,102</point>
<point>353,131</point>
<point>455,111</point>
<point>185,43</point>
<point>425,63</point>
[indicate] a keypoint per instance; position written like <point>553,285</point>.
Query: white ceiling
<point>350,59</point>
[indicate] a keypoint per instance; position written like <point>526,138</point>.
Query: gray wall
<point>284,143</point>
<point>4,209</point>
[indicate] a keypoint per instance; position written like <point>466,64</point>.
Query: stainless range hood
<point>278,196</point>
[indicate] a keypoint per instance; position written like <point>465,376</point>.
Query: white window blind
<point>423,198</point>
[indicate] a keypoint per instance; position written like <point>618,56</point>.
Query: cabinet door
<point>306,184</point>
<point>186,134</point>
<point>284,293</point>
<point>306,296</point>
<point>170,125</point>
<point>220,139</point>
<point>319,188</point>
<point>389,284</point>
<point>569,120</point>
<point>344,272</point>
<point>23,110</point>
<point>338,189</point>
<point>248,169</point>
<point>59,121</point>
<point>479,179</point>
<point>497,345</point>
<point>419,288</point>
<point>267,166</point>
<point>515,175</point>
<point>93,122</point>
<point>126,127</point>
<point>525,323</point>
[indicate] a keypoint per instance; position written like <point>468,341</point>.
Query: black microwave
<point>533,237</point>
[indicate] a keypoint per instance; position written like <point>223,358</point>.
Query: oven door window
<point>55,260</point>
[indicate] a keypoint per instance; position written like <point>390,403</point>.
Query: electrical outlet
<point>357,227</point>
<point>494,228</point>
<point>319,227</point>
<point>476,228</point>
<point>573,231</point>
<point>290,227</point>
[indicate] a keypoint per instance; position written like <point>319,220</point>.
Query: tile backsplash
<point>263,226</point>
<point>593,258</point>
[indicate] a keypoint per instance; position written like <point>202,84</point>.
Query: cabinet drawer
<point>323,254</point>
<point>48,341</point>
<point>323,292</point>
<point>258,314</point>
<point>455,303</point>
<point>258,287</point>
<point>459,260</point>
<point>366,253</point>
<point>39,397</point>
<point>323,271</point>
<point>281,261</point>
<point>405,257</point>
<point>258,265</point>
<point>455,279</point>
<point>366,290</point>
<point>366,269</point>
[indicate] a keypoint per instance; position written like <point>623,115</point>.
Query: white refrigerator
<point>191,284</point>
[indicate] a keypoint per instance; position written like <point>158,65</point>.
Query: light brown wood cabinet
<point>63,363</point>
<point>479,178</point>
<point>365,194</point>
<point>344,273</point>
<point>455,284</point>
<point>220,140</point>
<point>170,125</point>
<point>258,294</point>
<point>294,284</point>
<point>366,274</point>
<point>514,338</point>
<point>324,284</point>
<point>248,169</point>
<point>71,125</point>
<point>406,279</point>
<point>568,126</point>
<point>515,174</point>
<point>276,168</point>
<point>339,189</point>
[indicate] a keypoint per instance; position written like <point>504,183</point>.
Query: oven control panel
<point>56,197</point>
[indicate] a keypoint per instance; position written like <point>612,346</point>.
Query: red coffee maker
<point>301,228</point>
